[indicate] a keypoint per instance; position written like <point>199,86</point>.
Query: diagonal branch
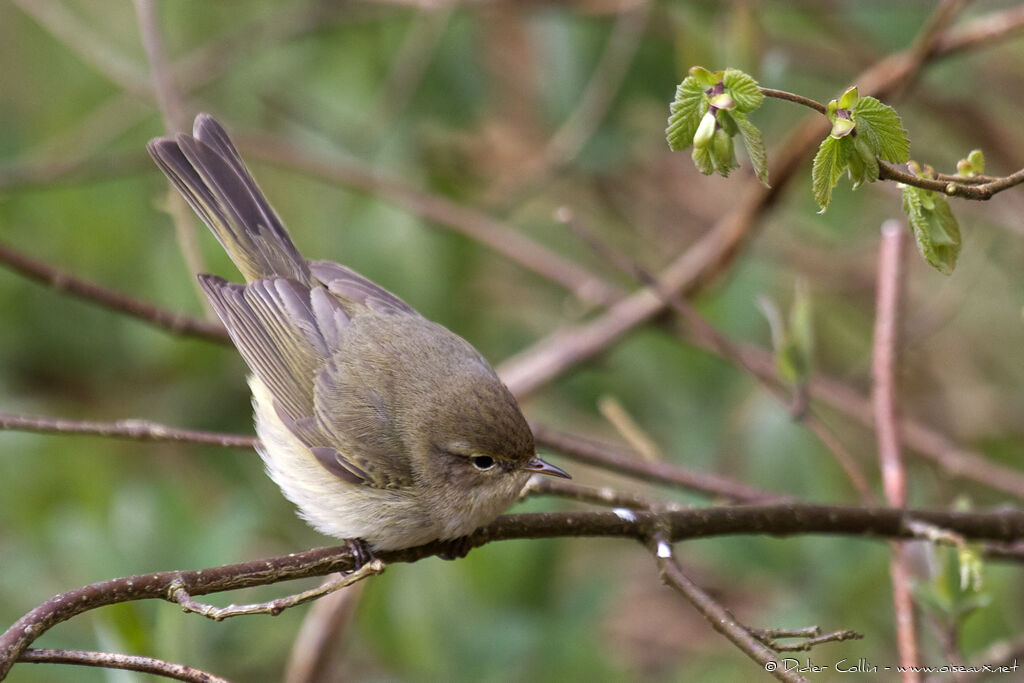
<point>169,321</point>
<point>554,355</point>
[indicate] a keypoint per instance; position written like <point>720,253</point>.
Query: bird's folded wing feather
<point>291,337</point>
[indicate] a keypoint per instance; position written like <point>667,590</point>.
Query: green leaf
<point>849,99</point>
<point>862,152</point>
<point>743,89</point>
<point>935,229</point>
<point>702,159</point>
<point>829,163</point>
<point>882,127</point>
<point>723,153</point>
<point>755,146</point>
<point>705,78</point>
<point>686,112</point>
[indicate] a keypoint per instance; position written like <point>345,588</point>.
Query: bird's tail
<point>206,169</point>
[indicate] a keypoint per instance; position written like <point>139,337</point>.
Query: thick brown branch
<point>677,525</point>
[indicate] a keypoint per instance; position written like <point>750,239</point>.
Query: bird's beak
<point>541,467</point>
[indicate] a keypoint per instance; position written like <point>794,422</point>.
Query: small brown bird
<point>377,423</point>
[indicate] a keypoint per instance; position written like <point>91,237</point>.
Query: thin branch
<point>605,496</point>
<point>811,636</point>
<point>175,121</point>
<point>965,188</point>
<point>793,97</point>
<point>137,430</point>
<point>676,525</point>
<point>890,277</point>
<point>168,321</point>
<point>317,641</point>
<point>112,660</point>
<point>625,461</point>
<point>720,618</point>
<point>628,428</point>
<point>179,594</point>
<point>721,346</point>
<point>90,47</point>
<point>593,104</point>
<point>883,371</point>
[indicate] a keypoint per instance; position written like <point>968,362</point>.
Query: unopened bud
<point>705,131</point>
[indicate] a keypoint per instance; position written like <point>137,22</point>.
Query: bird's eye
<point>482,462</point>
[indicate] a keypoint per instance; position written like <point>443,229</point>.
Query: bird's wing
<point>352,288</point>
<point>281,332</point>
<point>352,415</point>
<point>293,339</point>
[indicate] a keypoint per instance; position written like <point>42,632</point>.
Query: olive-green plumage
<point>376,422</point>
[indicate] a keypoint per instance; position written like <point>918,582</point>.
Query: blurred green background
<point>464,101</point>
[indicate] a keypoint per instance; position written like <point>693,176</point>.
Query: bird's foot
<point>361,553</point>
<point>456,549</point>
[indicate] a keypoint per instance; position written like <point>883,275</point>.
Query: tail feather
<point>210,174</point>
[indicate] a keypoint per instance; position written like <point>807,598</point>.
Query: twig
<point>676,525</point>
<point>168,321</point>
<point>316,644</point>
<point>175,121</point>
<point>409,66</point>
<point>593,103</point>
<point>965,188</point>
<point>883,371</point>
<point>890,276</point>
<point>138,430</point>
<point>581,449</point>
<point>793,97</point>
<point>113,660</point>
<point>812,636</point>
<point>608,497</point>
<point>720,618</point>
<point>628,429</point>
<point>617,459</point>
<point>91,48</point>
<point>178,593</point>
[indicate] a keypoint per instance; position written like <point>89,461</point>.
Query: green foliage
<point>935,227</point>
<point>709,110</point>
<point>863,131</point>
<point>973,165</point>
<point>831,160</point>
<point>686,112</point>
<point>882,127</point>
<point>754,143</point>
